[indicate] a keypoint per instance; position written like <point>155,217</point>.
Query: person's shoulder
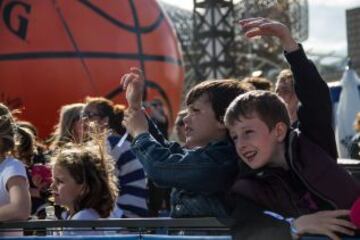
<point>13,163</point>
<point>221,150</point>
<point>224,144</point>
<point>86,214</point>
<point>356,137</point>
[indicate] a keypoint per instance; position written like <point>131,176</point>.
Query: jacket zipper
<point>319,195</point>
<point>289,193</point>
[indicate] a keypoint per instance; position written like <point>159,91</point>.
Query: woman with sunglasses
<point>106,116</point>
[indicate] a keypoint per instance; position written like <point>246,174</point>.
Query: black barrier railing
<point>125,227</point>
<point>134,224</point>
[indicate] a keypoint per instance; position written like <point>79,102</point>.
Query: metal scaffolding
<point>213,47</point>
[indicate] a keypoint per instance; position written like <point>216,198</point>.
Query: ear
<point>280,131</point>
<point>84,189</point>
<point>220,125</point>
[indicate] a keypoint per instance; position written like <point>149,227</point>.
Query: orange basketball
<point>57,52</point>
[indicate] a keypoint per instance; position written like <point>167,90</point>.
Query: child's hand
<point>133,83</point>
<point>325,223</point>
<point>135,122</point>
<point>266,27</point>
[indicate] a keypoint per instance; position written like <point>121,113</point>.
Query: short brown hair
<point>107,108</point>
<point>7,133</point>
<point>219,92</point>
<point>270,108</point>
<point>259,83</point>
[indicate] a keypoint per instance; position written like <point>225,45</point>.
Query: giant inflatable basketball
<point>54,52</point>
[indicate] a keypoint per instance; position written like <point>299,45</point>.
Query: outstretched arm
<point>315,111</point>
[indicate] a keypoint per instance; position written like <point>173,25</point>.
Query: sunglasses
<point>91,115</point>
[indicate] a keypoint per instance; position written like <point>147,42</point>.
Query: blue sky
<point>327,24</point>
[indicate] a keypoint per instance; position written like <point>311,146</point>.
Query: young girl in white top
<point>15,201</point>
<point>84,182</point>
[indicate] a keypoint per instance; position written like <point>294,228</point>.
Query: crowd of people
<point>264,158</point>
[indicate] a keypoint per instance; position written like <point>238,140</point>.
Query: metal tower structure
<point>214,38</point>
<point>212,24</point>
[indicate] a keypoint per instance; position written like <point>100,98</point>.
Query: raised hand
<point>325,223</point>
<point>259,26</point>
<point>133,83</point>
<point>135,122</point>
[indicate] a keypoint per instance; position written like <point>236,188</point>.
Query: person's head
<point>259,83</point>
<point>70,127</point>
<point>206,104</point>
<point>180,126</point>
<point>284,87</point>
<point>357,122</point>
<point>29,126</point>
<point>258,122</point>
<point>104,113</point>
<point>7,133</point>
<point>156,104</point>
<point>14,140</point>
<point>25,145</point>
<point>83,177</point>
<point>157,111</point>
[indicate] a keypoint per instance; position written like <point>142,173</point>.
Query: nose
<point>186,119</point>
<point>240,145</point>
<point>52,186</point>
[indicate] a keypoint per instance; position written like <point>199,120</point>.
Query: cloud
<point>316,45</point>
<point>336,3</point>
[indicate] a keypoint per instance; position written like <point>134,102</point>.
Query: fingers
<point>137,71</point>
<point>342,222</point>
<point>335,213</point>
<point>331,235</point>
<point>245,21</point>
<point>134,74</point>
<point>128,78</point>
<point>252,22</point>
<point>330,223</point>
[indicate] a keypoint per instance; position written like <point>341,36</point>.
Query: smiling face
<point>64,188</point>
<point>201,125</point>
<point>256,144</point>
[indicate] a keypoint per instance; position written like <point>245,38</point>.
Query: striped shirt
<point>132,181</point>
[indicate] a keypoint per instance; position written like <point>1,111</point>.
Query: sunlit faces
<point>91,114</point>
<point>64,188</point>
<point>256,144</point>
<point>201,126</point>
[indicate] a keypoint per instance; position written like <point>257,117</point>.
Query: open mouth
<point>249,155</point>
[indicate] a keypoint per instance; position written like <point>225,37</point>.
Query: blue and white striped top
<point>132,181</point>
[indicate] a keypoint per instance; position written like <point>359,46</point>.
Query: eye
<point>57,181</point>
<point>192,110</point>
<point>234,137</point>
<point>247,132</point>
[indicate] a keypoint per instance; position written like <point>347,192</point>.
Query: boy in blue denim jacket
<point>202,172</point>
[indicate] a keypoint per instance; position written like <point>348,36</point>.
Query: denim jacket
<point>200,177</point>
